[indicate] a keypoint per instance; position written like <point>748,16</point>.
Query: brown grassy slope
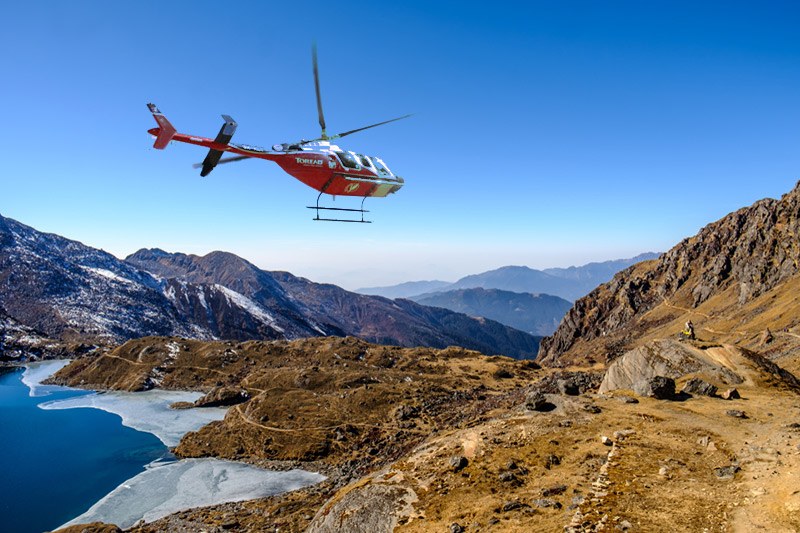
<point>332,399</point>
<point>359,404</point>
<point>660,477</point>
<point>735,278</point>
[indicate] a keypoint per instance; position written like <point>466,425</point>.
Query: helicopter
<point>318,163</point>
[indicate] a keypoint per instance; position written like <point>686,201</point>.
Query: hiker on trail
<point>690,330</point>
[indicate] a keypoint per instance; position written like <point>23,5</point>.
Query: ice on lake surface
<point>148,411</point>
<point>164,489</point>
<point>37,372</point>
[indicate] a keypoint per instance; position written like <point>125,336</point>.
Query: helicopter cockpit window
<point>348,160</point>
<point>381,166</point>
<point>364,161</point>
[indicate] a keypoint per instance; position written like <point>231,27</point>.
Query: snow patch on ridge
<point>108,275</point>
<point>249,305</point>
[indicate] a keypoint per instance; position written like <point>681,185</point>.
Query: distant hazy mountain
<point>538,314</point>
<point>407,289</point>
<point>592,272</point>
<point>404,322</point>
<point>568,283</point>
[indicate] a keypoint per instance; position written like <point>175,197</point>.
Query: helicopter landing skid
<point>319,208</point>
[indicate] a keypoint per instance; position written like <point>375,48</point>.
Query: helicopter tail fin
<point>166,130</point>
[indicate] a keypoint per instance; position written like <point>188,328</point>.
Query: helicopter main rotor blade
<point>316,87</point>
<point>226,160</point>
<point>346,133</point>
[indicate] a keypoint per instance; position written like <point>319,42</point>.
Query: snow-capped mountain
<point>70,291</point>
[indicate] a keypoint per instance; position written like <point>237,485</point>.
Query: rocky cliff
<point>734,279</point>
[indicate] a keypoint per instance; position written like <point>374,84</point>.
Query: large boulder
<point>699,387</point>
<point>665,358</point>
<point>376,506</point>
<point>223,397</point>
<point>658,387</point>
<point>724,365</point>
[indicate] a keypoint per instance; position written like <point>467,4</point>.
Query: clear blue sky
<point>545,133</point>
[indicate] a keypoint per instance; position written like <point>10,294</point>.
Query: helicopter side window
<point>348,160</point>
<point>365,162</point>
<point>380,166</point>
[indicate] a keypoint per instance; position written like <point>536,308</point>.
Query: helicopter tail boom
<point>166,130</point>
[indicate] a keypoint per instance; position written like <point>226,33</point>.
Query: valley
<point>619,424</point>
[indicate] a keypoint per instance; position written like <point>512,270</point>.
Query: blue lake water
<point>54,464</point>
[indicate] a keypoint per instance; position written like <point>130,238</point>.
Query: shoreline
<point>188,479</point>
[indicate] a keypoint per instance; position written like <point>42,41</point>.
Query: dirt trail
<point>770,460</point>
<point>686,310</point>
<point>252,422</point>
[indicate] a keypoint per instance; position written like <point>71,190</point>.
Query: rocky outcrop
<point>658,387</point>
<point>662,358</point>
<point>708,368</point>
<point>223,397</point>
<point>697,386</point>
<point>374,507</point>
<point>740,257</point>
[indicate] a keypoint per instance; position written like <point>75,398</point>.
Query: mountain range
<point>72,292</point>
<point>568,283</point>
<point>538,314</point>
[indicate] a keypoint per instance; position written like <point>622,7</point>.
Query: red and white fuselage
<point>319,164</point>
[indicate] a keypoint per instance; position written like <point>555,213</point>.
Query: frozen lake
<point>77,456</point>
